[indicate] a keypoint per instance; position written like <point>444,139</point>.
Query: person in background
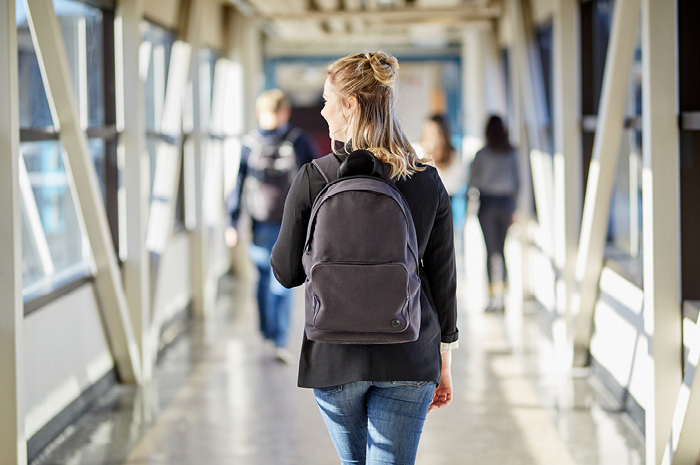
<point>270,158</point>
<point>435,143</point>
<point>494,173</point>
<point>374,398</point>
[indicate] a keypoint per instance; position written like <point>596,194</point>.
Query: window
<point>164,146</point>
<point>625,221</point>
<point>625,226</point>
<point>543,39</point>
<point>689,104</point>
<point>55,249</point>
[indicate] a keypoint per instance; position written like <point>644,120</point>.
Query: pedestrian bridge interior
<point>131,334</point>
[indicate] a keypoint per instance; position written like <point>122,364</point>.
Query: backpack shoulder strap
<point>292,135</point>
<point>328,166</point>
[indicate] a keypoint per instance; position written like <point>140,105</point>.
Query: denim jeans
<point>274,301</point>
<point>376,422</point>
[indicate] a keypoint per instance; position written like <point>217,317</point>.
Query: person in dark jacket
<point>270,158</point>
<point>374,398</point>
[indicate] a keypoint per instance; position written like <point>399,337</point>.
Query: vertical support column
<point>519,137</point>
<point>234,113</point>
<point>661,219</point>
<point>13,446</point>
<point>601,176</point>
<point>567,150</point>
<point>474,94</point>
<point>202,295</point>
<point>239,113</point>
<point>495,79</point>
<point>251,58</point>
<point>533,101</point>
<point>131,123</point>
<point>53,62</point>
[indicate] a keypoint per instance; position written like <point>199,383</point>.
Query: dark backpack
<point>360,257</point>
<point>271,170</point>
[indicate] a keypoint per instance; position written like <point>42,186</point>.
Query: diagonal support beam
<point>661,221</point>
<point>601,176</point>
<point>53,62</point>
<point>13,446</point>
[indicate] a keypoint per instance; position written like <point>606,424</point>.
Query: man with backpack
<point>270,159</point>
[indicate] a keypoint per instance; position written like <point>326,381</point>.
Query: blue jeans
<point>274,301</point>
<point>376,423</point>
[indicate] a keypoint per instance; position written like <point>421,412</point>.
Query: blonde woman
<point>374,398</point>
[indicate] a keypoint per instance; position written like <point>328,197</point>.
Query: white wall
<point>66,349</point>
<point>619,342</point>
<point>65,352</point>
<point>172,291</point>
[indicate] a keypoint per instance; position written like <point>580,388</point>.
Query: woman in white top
<point>435,143</point>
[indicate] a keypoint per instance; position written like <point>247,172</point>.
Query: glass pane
<point>81,27</point>
<point>33,107</point>
<point>625,223</point>
<point>59,226</point>
<point>160,42</point>
<point>152,144</point>
<point>97,151</point>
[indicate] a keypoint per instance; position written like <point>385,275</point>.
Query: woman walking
<point>494,173</point>
<point>374,398</point>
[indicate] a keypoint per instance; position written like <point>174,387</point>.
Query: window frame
<point>595,38</point>
<point>109,135</point>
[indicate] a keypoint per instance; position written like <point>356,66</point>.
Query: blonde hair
<point>370,78</point>
<point>272,100</point>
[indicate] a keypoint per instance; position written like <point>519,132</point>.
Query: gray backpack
<point>272,165</point>
<point>361,257</point>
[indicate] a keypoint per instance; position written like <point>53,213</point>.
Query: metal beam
<point>518,135</point>
<point>661,220</point>
<point>567,150</point>
<point>402,15</point>
<point>601,175</point>
<point>13,445</point>
<point>474,90</point>
<point>53,62</point>
<point>203,299</point>
<point>132,148</point>
<point>533,109</point>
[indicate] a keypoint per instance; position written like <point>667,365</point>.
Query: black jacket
<point>323,365</point>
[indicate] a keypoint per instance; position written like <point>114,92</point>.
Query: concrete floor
<point>219,397</point>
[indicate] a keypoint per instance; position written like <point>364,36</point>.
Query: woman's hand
<point>443,393</point>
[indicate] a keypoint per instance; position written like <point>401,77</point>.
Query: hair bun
<point>384,67</point>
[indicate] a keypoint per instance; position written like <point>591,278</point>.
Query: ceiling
<point>323,26</point>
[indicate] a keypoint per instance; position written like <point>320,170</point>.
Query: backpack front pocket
<point>360,297</point>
